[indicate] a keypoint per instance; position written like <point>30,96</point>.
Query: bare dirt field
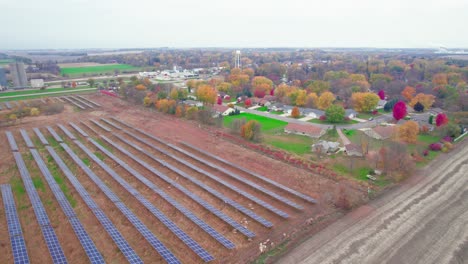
<point>423,221</point>
<point>171,130</point>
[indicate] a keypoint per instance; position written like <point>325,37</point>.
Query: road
<point>423,221</point>
<point>376,121</point>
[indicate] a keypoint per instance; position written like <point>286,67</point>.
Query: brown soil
<point>171,130</point>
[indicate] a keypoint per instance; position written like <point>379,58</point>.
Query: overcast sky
<point>67,24</point>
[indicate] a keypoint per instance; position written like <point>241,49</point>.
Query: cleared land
<point>422,222</point>
<point>97,69</point>
<point>174,131</point>
<point>34,94</point>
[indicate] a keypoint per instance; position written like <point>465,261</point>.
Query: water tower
<point>238,61</point>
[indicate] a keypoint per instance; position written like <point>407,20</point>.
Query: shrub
<point>448,139</point>
<point>435,146</point>
<point>425,153</point>
<point>431,119</point>
<point>323,118</point>
<point>231,105</point>
<point>251,130</point>
<point>140,87</point>
<point>54,108</point>
<point>295,113</point>
<point>375,112</point>
<point>147,101</point>
<point>191,112</point>
<point>248,102</point>
<point>35,111</point>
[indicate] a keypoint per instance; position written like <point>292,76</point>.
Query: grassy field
<point>42,95</point>
<point>4,62</point>
<point>98,69</point>
<point>318,121</point>
<point>36,91</point>
<point>267,123</point>
<point>263,109</point>
<point>297,144</point>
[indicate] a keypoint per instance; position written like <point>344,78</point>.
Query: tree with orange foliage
<point>74,84</point>
<point>427,100</point>
<point>325,100</point>
<point>301,98</point>
<point>440,79</point>
<point>206,94</point>
<point>249,71</point>
<point>364,102</point>
<point>295,113</point>
<point>251,130</point>
<point>312,100</point>
<point>179,112</point>
<point>408,93</point>
<point>408,132</point>
<point>261,86</point>
<point>146,82</point>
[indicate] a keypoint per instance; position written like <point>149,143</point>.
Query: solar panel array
<point>160,215</point>
<point>88,245</point>
<point>48,232</point>
<point>111,123</point>
<point>258,176</point>
<point>74,103</point>
<point>116,236</point>
<point>77,128</point>
<point>81,101</point>
<point>90,128</point>
<point>11,141</point>
<point>103,127</point>
<point>1,108</point>
<point>8,105</point>
<point>18,246</point>
<point>60,99</point>
<point>66,131</point>
<point>54,134</point>
<point>40,136</point>
<point>136,222</point>
<point>88,100</point>
<point>208,229</point>
<point>16,104</point>
<point>26,138</point>
<point>199,200</point>
<point>215,178</point>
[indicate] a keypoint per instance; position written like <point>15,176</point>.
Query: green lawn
<point>428,139</point>
<point>267,123</point>
<point>297,144</point>
<point>98,69</point>
<point>263,109</point>
<point>318,121</point>
<point>277,112</point>
<point>41,95</point>
<point>366,116</point>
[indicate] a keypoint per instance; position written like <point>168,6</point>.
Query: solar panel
<point>8,105</point>
<point>88,100</point>
<point>217,194</point>
<point>150,185</point>
<point>89,127</point>
<point>136,222</point>
<point>26,138</point>
<point>111,123</point>
<point>74,103</point>
<point>77,128</point>
<point>122,122</point>
<point>208,229</point>
<point>66,131</point>
<point>81,101</point>
<point>11,141</point>
<point>103,127</point>
<point>60,99</point>
<point>88,245</point>
<point>54,134</point>
<point>118,239</point>
<point>50,238</point>
<point>1,108</point>
<point>18,246</point>
<point>40,136</point>
<point>215,178</point>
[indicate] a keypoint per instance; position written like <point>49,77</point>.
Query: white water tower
<point>238,61</point>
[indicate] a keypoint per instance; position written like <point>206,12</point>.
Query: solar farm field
<point>108,68</point>
<point>119,184</point>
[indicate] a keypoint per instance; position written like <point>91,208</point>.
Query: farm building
<point>306,130</point>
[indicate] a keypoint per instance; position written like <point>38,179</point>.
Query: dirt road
<point>424,221</point>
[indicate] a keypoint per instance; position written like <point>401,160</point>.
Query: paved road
<point>377,120</point>
<point>424,221</point>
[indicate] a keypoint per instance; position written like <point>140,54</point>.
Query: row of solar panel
<point>88,100</point>
<point>88,245</point>
<point>73,102</point>
<point>176,230</point>
<point>212,191</point>
<point>256,175</point>
<point>215,178</point>
<point>199,200</point>
<point>18,246</point>
<point>208,229</point>
<point>10,105</point>
<point>80,101</point>
<point>50,237</point>
<point>168,256</point>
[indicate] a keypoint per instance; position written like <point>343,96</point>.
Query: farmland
<point>34,94</point>
<point>143,171</point>
<point>108,68</point>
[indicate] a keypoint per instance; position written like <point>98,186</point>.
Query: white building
<point>37,83</point>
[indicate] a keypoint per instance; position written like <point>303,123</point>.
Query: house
<point>353,150</point>
<point>260,101</point>
<point>381,104</point>
<point>324,146</point>
<point>313,113</point>
<point>287,109</point>
<point>306,130</point>
<point>222,109</point>
<point>193,103</point>
<point>270,98</point>
<point>350,113</point>
<point>276,107</point>
<point>380,132</point>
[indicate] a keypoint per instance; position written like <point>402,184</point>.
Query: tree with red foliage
<point>399,110</point>
<point>74,84</point>
<point>272,92</point>
<point>220,100</point>
<point>381,94</point>
<point>441,119</point>
<point>248,102</point>
<point>259,93</point>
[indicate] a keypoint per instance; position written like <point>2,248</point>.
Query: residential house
<point>313,113</point>
<point>324,146</point>
<point>353,150</point>
<point>306,130</point>
<point>350,113</point>
<point>193,103</point>
<point>276,107</point>
<point>381,104</point>
<point>260,101</point>
<point>380,132</point>
<point>222,109</point>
